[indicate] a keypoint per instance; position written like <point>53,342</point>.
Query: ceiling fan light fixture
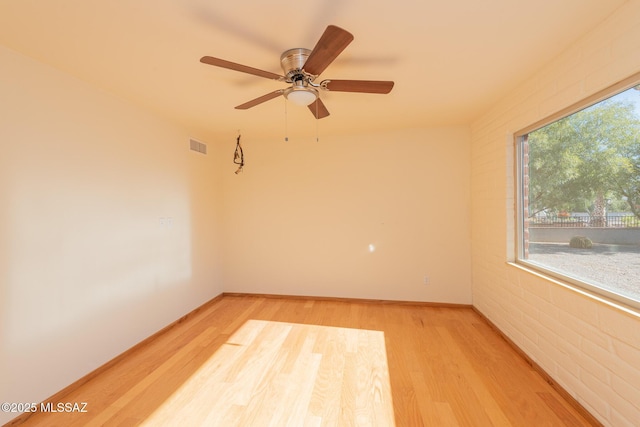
<point>301,95</point>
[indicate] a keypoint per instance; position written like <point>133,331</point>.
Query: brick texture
<point>589,347</point>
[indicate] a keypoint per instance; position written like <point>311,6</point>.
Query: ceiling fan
<point>301,67</point>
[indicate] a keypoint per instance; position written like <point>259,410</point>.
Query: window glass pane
<point>580,196</point>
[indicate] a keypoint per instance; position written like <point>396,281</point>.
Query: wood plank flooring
<point>276,373</point>
<point>255,361</point>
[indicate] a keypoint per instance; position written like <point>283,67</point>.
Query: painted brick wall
<point>588,346</point>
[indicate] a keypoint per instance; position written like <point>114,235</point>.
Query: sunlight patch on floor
<point>276,374</point>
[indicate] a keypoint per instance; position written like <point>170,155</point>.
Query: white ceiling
<point>450,59</point>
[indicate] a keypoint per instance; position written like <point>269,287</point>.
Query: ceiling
<point>450,60</point>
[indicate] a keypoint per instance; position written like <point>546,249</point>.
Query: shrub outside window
<point>579,196</point>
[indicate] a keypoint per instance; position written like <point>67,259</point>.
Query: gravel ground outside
<point>613,267</point>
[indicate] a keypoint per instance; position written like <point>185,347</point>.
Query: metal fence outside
<point>616,221</point>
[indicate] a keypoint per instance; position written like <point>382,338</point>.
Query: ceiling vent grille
<point>198,146</point>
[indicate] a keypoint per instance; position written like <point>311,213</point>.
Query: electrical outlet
<point>426,280</point>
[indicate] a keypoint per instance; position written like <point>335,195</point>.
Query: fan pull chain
<point>286,121</point>
<point>317,120</point>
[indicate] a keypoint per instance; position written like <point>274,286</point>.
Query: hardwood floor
<point>446,367</point>
<point>277,373</point>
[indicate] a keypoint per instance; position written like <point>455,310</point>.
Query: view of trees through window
<point>580,193</point>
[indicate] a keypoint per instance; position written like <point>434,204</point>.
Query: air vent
<point>198,146</point>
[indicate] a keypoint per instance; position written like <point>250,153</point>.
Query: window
<point>579,194</point>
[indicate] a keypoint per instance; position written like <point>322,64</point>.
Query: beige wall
<point>87,267</point>
<point>590,348</point>
<point>300,218</point>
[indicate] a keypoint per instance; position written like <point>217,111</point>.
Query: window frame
<point>518,138</point>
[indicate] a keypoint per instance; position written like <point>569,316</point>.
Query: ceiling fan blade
<point>333,41</point>
<point>260,100</point>
<point>318,109</point>
<point>363,86</point>
<point>238,67</point>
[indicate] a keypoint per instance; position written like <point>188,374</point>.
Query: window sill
<point>621,303</point>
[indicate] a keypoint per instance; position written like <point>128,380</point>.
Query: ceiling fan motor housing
<point>292,61</point>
